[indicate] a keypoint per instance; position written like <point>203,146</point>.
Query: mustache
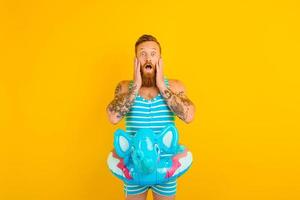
<point>148,63</point>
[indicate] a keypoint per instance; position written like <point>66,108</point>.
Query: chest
<point>148,93</point>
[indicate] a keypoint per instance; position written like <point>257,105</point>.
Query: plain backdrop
<point>61,61</point>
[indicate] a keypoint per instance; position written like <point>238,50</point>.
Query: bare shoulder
<point>125,83</point>
<point>176,85</point>
<point>122,87</point>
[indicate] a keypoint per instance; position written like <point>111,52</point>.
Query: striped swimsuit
<point>154,114</point>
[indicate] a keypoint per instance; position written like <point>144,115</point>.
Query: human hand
<point>160,83</point>
<point>137,77</point>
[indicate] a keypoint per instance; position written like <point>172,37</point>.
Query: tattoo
<point>122,103</point>
<point>118,89</point>
<point>186,101</point>
<point>168,93</point>
<point>178,103</point>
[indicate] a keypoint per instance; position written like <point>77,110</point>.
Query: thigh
<point>161,197</point>
<point>165,191</point>
<point>142,196</point>
<point>135,192</point>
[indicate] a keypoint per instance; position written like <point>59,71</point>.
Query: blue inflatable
<point>148,158</point>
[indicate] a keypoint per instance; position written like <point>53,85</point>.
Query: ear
<point>168,139</point>
<point>122,143</point>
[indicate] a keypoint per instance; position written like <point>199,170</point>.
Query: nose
<point>148,59</point>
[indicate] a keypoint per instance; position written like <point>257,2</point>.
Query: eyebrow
<point>152,48</point>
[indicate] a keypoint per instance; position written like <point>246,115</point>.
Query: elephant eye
<point>156,147</point>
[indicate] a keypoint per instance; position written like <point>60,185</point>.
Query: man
<point>149,101</point>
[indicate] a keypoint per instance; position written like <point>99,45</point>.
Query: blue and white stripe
<point>156,115</point>
<point>153,113</point>
<point>165,189</point>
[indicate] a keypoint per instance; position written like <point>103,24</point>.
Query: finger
<point>135,62</point>
<point>138,65</point>
<point>135,65</point>
<point>161,64</point>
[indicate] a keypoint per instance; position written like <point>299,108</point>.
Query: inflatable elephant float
<point>148,158</point>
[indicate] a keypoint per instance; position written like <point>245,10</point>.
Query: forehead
<point>149,45</point>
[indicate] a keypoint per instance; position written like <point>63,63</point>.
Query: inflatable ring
<point>147,158</point>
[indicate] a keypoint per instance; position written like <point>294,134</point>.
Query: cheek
<point>142,60</point>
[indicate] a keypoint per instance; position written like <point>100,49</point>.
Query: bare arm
<point>124,97</point>
<point>178,102</point>
<point>122,102</point>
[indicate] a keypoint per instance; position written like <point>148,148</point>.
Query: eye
<point>156,147</point>
<point>143,53</point>
<point>153,53</point>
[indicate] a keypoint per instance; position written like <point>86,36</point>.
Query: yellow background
<point>61,60</point>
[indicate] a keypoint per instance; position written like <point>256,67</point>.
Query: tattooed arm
<point>122,101</point>
<point>177,100</point>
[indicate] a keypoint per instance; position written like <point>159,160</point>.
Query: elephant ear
<point>122,143</point>
<point>168,139</point>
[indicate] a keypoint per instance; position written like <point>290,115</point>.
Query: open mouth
<point>148,67</point>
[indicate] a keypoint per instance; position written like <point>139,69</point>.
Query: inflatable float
<point>148,158</point>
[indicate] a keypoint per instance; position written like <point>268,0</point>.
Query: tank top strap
<point>166,81</point>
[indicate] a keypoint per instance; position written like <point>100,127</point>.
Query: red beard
<point>148,80</point>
